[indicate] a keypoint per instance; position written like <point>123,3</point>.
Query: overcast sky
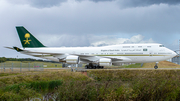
<point>74,23</point>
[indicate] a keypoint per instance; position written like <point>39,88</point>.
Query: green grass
<point>141,85</point>
<point>161,64</point>
<point>98,85</point>
<point>25,91</point>
<point>7,74</point>
<point>26,64</point>
<point>29,85</point>
<point>136,65</point>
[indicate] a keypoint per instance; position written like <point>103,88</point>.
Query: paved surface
<point>82,69</point>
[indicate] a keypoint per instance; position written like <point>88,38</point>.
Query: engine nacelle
<point>72,59</point>
<point>105,62</point>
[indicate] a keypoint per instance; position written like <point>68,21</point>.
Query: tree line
<point>3,59</point>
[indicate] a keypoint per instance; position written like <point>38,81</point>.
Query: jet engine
<point>105,62</point>
<point>72,59</point>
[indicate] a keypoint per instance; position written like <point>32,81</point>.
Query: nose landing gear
<point>156,66</point>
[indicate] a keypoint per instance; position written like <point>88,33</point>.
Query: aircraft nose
<point>174,54</point>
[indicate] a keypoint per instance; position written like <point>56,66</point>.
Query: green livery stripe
<point>133,55</point>
<point>101,55</point>
<point>71,60</point>
<point>42,55</point>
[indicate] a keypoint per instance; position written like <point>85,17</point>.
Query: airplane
<point>94,57</point>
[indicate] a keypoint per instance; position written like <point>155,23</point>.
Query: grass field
<point>46,64</point>
<point>96,85</point>
<point>161,64</point>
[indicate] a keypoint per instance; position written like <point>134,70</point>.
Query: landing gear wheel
<point>86,67</point>
<point>93,66</point>
<point>155,67</point>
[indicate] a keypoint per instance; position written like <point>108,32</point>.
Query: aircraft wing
<point>84,58</point>
<point>116,59</point>
<point>61,56</point>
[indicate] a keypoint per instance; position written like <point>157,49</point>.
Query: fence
<point>20,67</point>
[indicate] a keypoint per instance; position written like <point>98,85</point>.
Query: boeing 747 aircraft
<point>94,57</point>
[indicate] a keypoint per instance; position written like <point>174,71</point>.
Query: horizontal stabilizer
<point>9,48</point>
<point>17,49</point>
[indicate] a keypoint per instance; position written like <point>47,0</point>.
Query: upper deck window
<point>126,46</point>
<point>161,45</point>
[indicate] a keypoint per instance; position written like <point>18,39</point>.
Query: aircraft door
<point>150,53</point>
<point>147,52</point>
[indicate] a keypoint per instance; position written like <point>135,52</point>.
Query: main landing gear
<point>93,66</point>
<point>156,66</point>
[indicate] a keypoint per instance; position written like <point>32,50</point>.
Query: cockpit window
<point>161,45</point>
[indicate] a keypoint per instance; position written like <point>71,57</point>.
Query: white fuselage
<point>131,53</point>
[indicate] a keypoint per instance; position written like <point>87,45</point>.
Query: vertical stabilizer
<point>27,39</point>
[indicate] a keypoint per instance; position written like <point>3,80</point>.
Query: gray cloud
<point>46,3</point>
<point>122,3</point>
<point>140,3</point>
<point>65,40</point>
<point>106,40</point>
<point>39,3</point>
<point>97,0</point>
<point>88,23</point>
<point>101,0</point>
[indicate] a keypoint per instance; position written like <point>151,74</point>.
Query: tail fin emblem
<point>27,36</point>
